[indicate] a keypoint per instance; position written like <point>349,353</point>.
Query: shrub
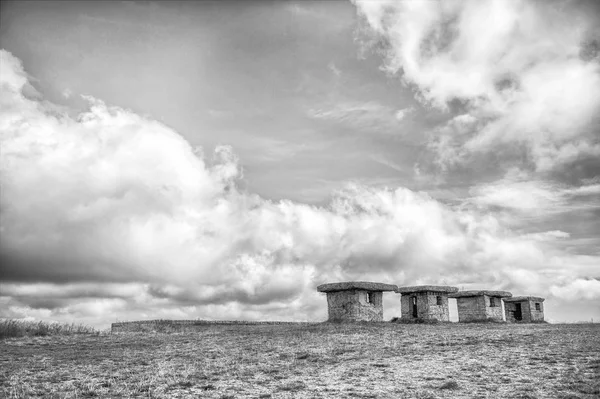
<point>10,328</point>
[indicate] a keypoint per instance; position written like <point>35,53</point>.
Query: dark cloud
<point>224,295</point>
<point>577,171</point>
<point>33,266</point>
<point>47,303</point>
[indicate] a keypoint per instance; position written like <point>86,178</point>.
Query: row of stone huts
<point>363,301</point>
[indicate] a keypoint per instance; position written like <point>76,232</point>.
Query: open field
<point>311,361</point>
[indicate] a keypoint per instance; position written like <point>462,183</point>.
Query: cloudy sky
<point>219,160</point>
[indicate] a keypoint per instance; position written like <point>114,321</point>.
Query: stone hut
<point>480,305</point>
<point>425,302</point>
<point>355,300</point>
<point>527,309</point>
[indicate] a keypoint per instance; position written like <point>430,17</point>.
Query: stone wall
<point>509,310</point>
<point>427,307</point>
<point>183,325</point>
<point>352,305</point>
<point>528,311</point>
<point>471,308</point>
<point>493,312</point>
<point>477,308</point>
<point>536,315</point>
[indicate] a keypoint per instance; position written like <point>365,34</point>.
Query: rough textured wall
<point>527,309</point>
<point>536,315</point>
<point>493,312</point>
<point>435,311</point>
<point>475,308</point>
<point>509,310</point>
<point>471,308</point>
<point>427,307</point>
<point>422,305</point>
<point>352,306</point>
<point>405,309</point>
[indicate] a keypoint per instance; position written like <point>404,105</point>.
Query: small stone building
<point>355,300</point>
<point>480,305</point>
<point>527,309</point>
<point>427,302</point>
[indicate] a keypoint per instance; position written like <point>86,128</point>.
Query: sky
<point>219,160</point>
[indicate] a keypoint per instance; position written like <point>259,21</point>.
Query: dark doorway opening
<point>414,306</point>
<point>518,313</point>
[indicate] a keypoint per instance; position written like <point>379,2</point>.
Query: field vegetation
<point>22,328</point>
<point>386,360</point>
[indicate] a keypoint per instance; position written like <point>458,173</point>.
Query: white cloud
<point>115,199</point>
<point>334,69</point>
<point>590,189</point>
<point>402,113</point>
<point>516,66</point>
<point>579,289</point>
<point>517,191</point>
<point>547,235</point>
<point>67,93</point>
<point>368,116</point>
<point>526,196</point>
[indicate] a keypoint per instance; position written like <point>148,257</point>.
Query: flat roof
<point>524,298</point>
<point>356,285</point>
<point>426,288</point>
<point>464,294</point>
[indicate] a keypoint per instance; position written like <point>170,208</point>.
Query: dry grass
<point>19,328</point>
<point>311,361</point>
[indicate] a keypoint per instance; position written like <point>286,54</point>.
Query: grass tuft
<point>10,328</point>
<point>450,385</point>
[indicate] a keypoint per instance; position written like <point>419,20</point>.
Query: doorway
<point>518,313</point>
<point>414,307</point>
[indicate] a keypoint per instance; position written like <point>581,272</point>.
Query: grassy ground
<point>311,361</point>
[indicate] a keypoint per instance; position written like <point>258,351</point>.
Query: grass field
<point>310,361</point>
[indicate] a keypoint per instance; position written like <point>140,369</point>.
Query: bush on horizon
<point>13,328</point>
